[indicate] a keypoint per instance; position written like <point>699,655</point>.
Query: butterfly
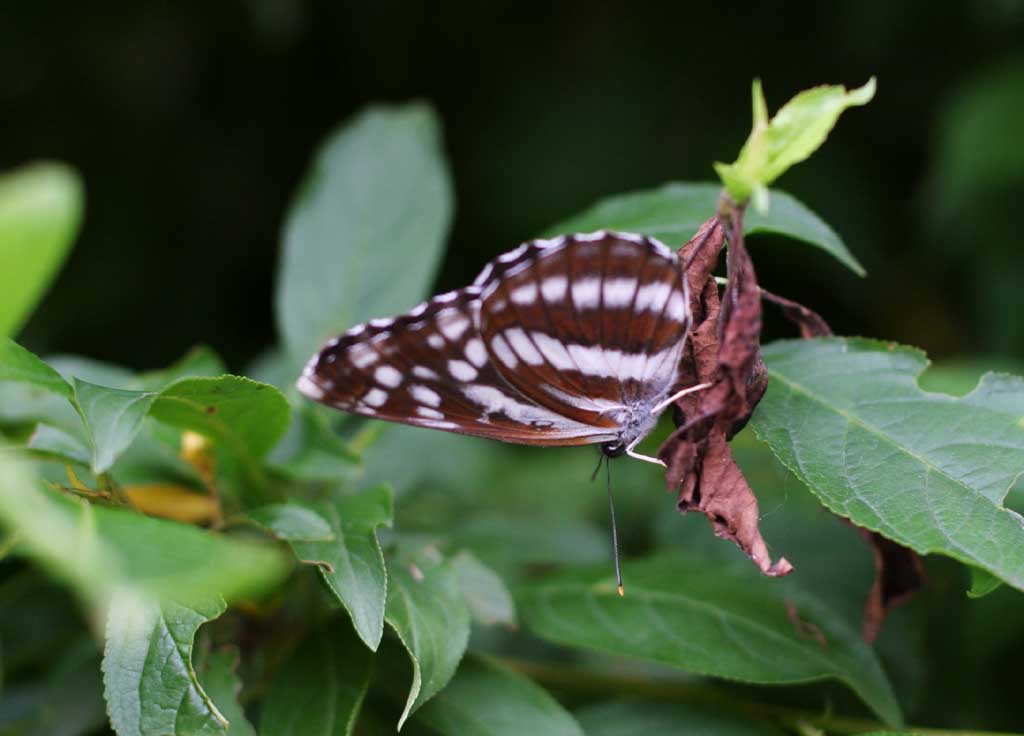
<point>570,341</point>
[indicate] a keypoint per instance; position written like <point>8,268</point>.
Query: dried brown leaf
<point>723,351</point>
<point>899,573</point>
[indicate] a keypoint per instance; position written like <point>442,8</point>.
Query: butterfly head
<point>615,448</point>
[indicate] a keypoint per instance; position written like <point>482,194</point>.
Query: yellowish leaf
<point>173,502</point>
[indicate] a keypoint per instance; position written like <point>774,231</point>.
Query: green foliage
<point>927,470</point>
<point>488,599</point>
<point>697,618</point>
<point>351,561</point>
<point>378,193</point>
<point>244,416</point>
<point>512,705</point>
<point>149,681</point>
<point>112,417</point>
<point>426,610</point>
<point>795,132</point>
<point>622,718</point>
<point>477,597</point>
<point>40,210</point>
<point>673,212</point>
<point>101,550</point>
<point>320,688</point>
<point>19,365</point>
<point>219,679</point>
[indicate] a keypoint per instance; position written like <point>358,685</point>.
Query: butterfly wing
<point>586,325</point>
<point>429,368</point>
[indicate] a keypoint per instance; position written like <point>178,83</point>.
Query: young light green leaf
<point>673,212</point>
<point>378,193</point>
<point>484,591</point>
<point>708,620</point>
<point>247,417</point>
<point>486,699</point>
<point>797,130</point>
<point>628,717</point>
<point>929,471</point>
<point>21,366</point>
<point>426,609</point>
<point>320,689</point>
<point>112,418</point>
<point>352,563</point>
<point>219,678</point>
<point>40,210</point>
<point>292,522</point>
<point>100,550</point>
<point>149,682</point>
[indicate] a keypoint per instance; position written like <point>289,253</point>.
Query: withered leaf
<point>811,323</point>
<point>899,573</point>
<point>723,351</point>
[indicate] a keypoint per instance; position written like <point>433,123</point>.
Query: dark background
<point>193,123</point>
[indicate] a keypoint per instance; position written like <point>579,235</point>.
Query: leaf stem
<point>571,678</point>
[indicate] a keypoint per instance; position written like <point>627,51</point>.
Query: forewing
<point>430,368</point>
<point>586,324</point>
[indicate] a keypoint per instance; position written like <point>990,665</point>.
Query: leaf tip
<point>864,94</point>
<point>759,104</point>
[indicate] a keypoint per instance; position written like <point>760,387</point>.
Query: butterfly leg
<point>680,394</point>
<point>645,458</point>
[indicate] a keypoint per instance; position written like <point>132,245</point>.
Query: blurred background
<point>193,122</point>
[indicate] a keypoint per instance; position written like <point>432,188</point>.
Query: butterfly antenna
<point>593,476</point>
<point>615,533</point>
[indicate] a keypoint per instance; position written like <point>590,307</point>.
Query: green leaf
<point>982,583</point>
<point>247,417</point>
<point>797,130</point>
<point>709,620</point>
<point>149,682</point>
<point>628,717</point>
<point>320,689</point>
<point>100,550</point>
<point>58,443</point>
<point>352,563</point>
<point>929,471</point>
<point>673,212</point>
<point>112,418</point>
<point>312,451</point>
<point>199,362</point>
<point>377,194</point>
<point>219,678</point>
<point>426,609</point>
<point>40,210</point>
<point>505,541</point>
<point>21,366</point>
<point>292,522</point>
<point>485,699</point>
<point>484,591</point>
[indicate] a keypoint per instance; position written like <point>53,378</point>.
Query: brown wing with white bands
<point>430,368</point>
<point>586,324</point>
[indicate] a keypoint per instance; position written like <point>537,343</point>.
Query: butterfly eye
<point>614,448</point>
